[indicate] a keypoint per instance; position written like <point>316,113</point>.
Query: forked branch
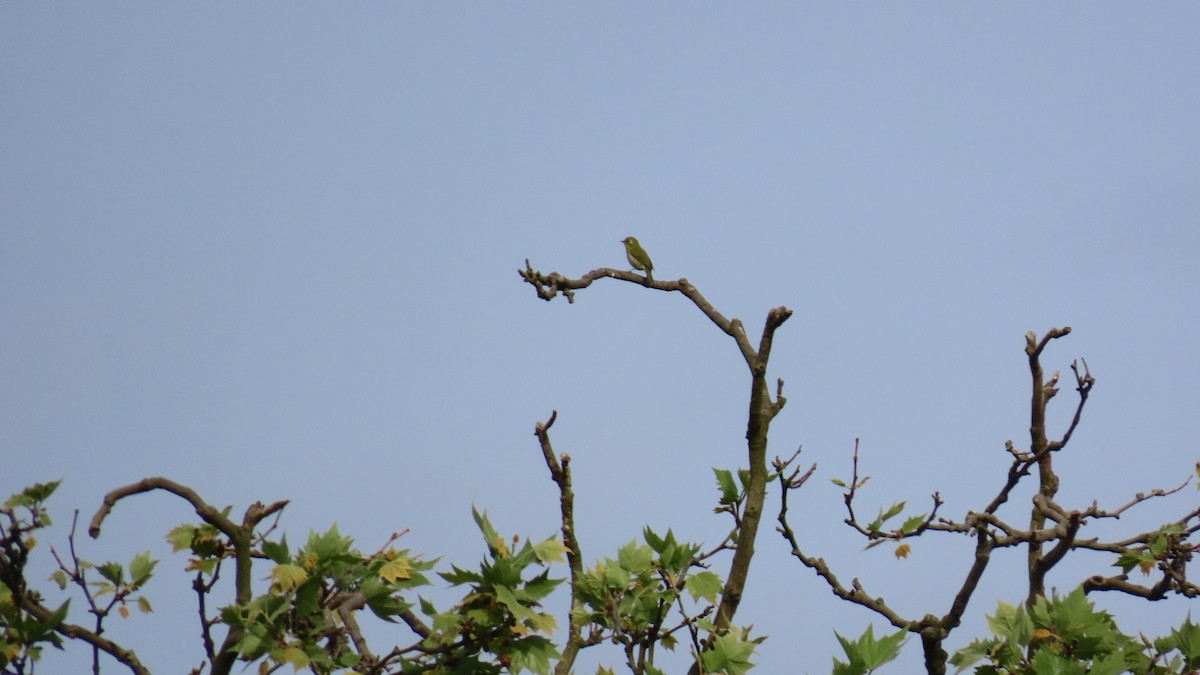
<point>763,408</point>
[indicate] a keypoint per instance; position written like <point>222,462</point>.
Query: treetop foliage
<point>302,608</point>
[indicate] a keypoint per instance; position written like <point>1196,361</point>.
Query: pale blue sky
<point>270,251</point>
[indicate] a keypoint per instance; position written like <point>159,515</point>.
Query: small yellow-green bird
<point>638,257</point>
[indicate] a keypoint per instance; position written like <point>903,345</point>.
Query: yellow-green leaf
<point>551,550</point>
<point>296,657</point>
<point>180,537</point>
<point>706,585</point>
<point>542,622</point>
<point>287,577</point>
<point>393,570</point>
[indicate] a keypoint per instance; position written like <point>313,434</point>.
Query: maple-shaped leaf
<point>550,550</point>
<point>287,577</point>
<point>706,585</point>
<point>393,570</point>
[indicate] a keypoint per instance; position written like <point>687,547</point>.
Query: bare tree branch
<point>240,537</point>
<point>762,408</point>
<point>560,473</point>
<point>125,656</point>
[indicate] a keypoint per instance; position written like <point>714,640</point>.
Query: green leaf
<point>276,551</point>
<point>494,541</point>
<point>673,555</point>
<point>144,605</point>
<point>207,542</point>
<point>140,568</point>
<point>730,653</point>
<point>288,577</point>
<point>60,579</point>
<point>446,628</point>
<point>852,668</point>
<point>180,537</point>
<point>381,601</point>
<point>867,653</point>
<point>296,657</point>
<point>892,512</point>
<point>1158,544</point>
<point>30,630</point>
<point>656,542</point>
<point>727,486</point>
<point>522,559</point>
<point>307,602</point>
<point>206,566</point>
<point>113,572</point>
<point>534,654</point>
<point>427,607</point>
<point>1186,639</point>
<point>551,550</point>
<point>912,524</point>
<point>1108,665</point>
<point>30,496</point>
<point>458,577</point>
<point>541,586</point>
<point>543,622</point>
<point>1173,529</point>
<point>635,558</point>
<point>974,652</point>
<point>887,649</point>
<point>1011,622</point>
<point>1075,619</point>
<point>706,585</point>
<point>329,546</point>
<point>1131,559</point>
<point>519,611</point>
<point>1046,662</point>
<point>56,619</point>
<point>616,576</point>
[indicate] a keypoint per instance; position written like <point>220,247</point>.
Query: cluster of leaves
<point>650,594</point>
<point>910,526</point>
<point>298,621</point>
<point>26,625</point>
<point>305,617</point>
<point>22,635</point>
<point>500,623</point>
<point>1069,636</point>
<point>628,601</point>
<point>1166,546</point>
<point>868,653</point>
<point>1056,636</point>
